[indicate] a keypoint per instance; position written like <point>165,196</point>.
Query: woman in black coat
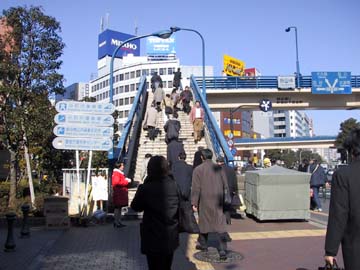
<point>158,198</point>
<point>344,215</point>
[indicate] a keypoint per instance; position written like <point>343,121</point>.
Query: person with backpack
<point>177,79</point>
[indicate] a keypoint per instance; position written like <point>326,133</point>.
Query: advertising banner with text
<point>233,66</point>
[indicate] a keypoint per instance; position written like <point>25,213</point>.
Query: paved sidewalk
<point>263,245</point>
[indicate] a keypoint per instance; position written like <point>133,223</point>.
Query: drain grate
<point>212,256</point>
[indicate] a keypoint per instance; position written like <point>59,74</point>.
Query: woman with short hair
<point>158,198</point>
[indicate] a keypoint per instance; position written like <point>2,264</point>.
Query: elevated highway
<point>224,93</point>
<point>285,143</point>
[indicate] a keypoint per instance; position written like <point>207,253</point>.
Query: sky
<point>252,31</point>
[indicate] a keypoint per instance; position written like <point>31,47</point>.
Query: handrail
<point>217,139</point>
<point>233,82</point>
<point>136,114</point>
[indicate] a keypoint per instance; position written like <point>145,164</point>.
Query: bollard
<point>10,243</point>
<point>25,231</point>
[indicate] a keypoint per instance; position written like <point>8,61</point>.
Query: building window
<point>132,74</point>
<point>107,94</point>
<point>121,102</point>
<point>153,70</point>
<point>126,75</point>
<point>121,89</point>
<point>126,88</point>
<point>121,114</point>
<point>171,71</point>
<point>132,100</point>
<point>116,78</point>
<point>138,73</point>
<point>170,84</point>
<point>145,72</point>
<point>127,101</point>
<point>121,77</point>
<point>137,85</point>
<point>103,95</point>
<point>162,71</point>
<point>164,84</point>
<point>107,82</point>
<point>132,87</point>
<point>116,102</point>
<point>126,113</point>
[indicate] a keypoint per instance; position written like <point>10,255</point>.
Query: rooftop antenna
<point>101,25</point>
<point>107,20</point>
<point>136,28</point>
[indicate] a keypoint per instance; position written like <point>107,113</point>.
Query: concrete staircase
<point>158,147</point>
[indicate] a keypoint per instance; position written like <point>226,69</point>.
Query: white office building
<point>263,123</point>
<point>289,124</point>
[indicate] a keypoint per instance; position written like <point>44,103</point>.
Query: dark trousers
<point>151,132</point>
<point>159,261</point>
<point>220,237</point>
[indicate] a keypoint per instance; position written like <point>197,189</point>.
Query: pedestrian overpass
<point>285,143</point>
<point>224,93</point>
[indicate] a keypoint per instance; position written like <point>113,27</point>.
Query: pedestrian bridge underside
<point>224,93</point>
<point>285,143</point>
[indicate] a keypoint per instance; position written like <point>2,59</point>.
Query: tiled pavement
<point>264,245</point>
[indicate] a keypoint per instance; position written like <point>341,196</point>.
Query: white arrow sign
<point>83,131</point>
<point>84,107</point>
<point>69,143</point>
<point>84,119</point>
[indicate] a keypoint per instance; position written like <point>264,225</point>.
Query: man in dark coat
<point>232,184</point>
<point>158,198</point>
<point>177,79</point>
<point>344,214</point>
<point>156,81</point>
<point>317,180</point>
<point>303,167</point>
<point>197,157</point>
<point>174,148</point>
<point>182,173</point>
<point>207,197</point>
<point>172,128</point>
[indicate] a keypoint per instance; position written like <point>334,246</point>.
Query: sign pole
<point>88,179</point>
<point>78,179</point>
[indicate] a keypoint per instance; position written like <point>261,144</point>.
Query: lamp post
<point>175,29</point>
<point>297,54</point>
<point>161,34</point>
<point>232,111</point>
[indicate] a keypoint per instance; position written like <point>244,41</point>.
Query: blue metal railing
<point>285,139</point>
<point>230,82</point>
<point>134,118</point>
<point>219,144</point>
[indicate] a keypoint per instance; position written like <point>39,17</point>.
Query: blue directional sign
<point>84,107</point>
<point>233,151</point>
<point>84,119</point>
<point>331,82</point>
<point>265,105</point>
<point>69,143</point>
<point>83,131</point>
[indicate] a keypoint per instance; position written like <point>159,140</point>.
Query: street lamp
<point>232,111</point>
<point>164,34</point>
<point>297,55</point>
<point>175,29</point>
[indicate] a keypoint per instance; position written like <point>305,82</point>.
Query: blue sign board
<point>331,82</point>
<point>233,151</point>
<point>159,46</point>
<point>84,107</point>
<point>69,143</point>
<point>83,131</point>
<point>109,40</point>
<point>84,119</point>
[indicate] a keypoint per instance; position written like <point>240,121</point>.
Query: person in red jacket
<point>120,192</point>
